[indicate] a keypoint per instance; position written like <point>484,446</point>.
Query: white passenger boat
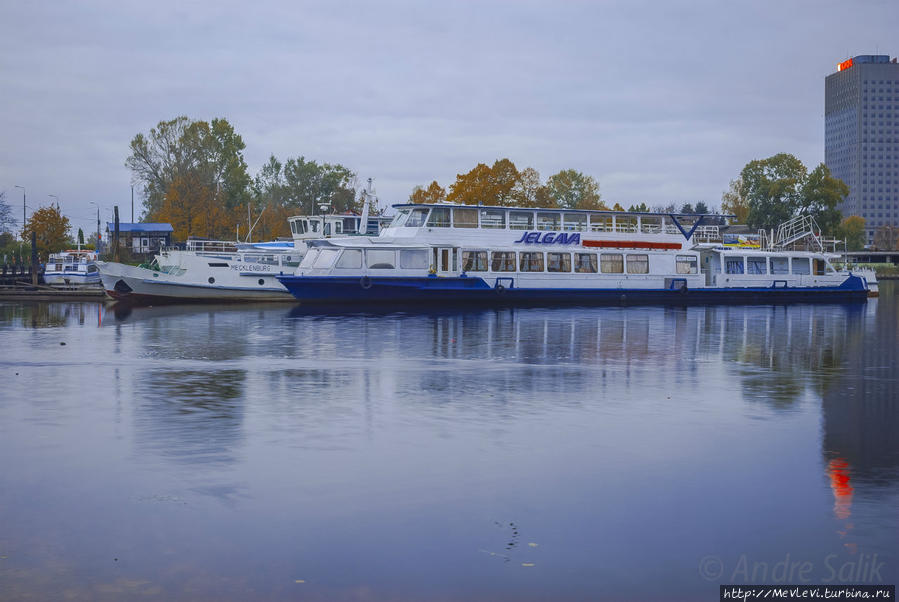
<point>223,270</point>
<point>72,269</point>
<point>445,253</point>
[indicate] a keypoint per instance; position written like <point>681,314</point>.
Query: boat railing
<point>211,246</point>
<point>801,231</point>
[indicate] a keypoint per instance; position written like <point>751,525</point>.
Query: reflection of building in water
<point>861,408</point>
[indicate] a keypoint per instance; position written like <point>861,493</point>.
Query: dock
<point>25,291</point>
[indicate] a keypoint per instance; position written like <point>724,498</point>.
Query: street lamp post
<point>23,207</point>
<point>98,226</point>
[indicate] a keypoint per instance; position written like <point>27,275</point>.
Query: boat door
<point>445,260</point>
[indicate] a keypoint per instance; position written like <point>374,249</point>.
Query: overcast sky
<point>660,101</point>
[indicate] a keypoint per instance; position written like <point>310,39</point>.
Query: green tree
<point>572,189</point>
<point>641,208</point>
<point>774,189</point>
<point>734,202</point>
<point>821,194</point>
<point>80,236</point>
<point>852,230</point>
<point>310,185</point>
<point>51,228</point>
<point>701,208</point>
<point>434,193</point>
<point>687,208</point>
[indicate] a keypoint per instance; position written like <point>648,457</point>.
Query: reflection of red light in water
<point>838,470</point>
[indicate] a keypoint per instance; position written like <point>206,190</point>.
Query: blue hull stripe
<point>448,290</point>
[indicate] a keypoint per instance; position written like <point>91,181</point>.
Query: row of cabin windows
<point>446,217</point>
<point>774,265</point>
<point>495,261</point>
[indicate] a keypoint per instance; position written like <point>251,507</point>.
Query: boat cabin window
<point>549,221</point>
<point>756,265</point>
<point>585,263</point>
<point>625,223</point>
<point>313,225</point>
<point>309,258</point>
<point>326,258</point>
<point>558,262</point>
<point>638,264</point>
<point>687,264</point>
<point>350,258</point>
<point>650,224</point>
<point>575,221</point>
<point>440,217</point>
<point>733,265</point>
<point>611,263</point>
<point>474,261</point>
<point>338,227</point>
<point>417,217</point>
<point>530,262</point>
<point>493,218</point>
<point>800,265</point>
<point>414,259</point>
<point>820,266</point>
<point>327,229</point>
<point>465,218</point>
<point>380,259</point>
<point>502,261</point>
<point>521,220</point>
<point>780,265</point>
<point>400,218</point>
<point>600,222</point>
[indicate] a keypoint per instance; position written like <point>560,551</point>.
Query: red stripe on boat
<point>630,244</point>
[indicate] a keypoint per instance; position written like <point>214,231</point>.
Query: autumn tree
<point>852,230</point>
<point>434,193</point>
<point>197,163</point>
<point>734,202</point>
<point>529,191</point>
<point>617,207</point>
<point>886,238</point>
<point>51,229</point>
<point>473,187</point>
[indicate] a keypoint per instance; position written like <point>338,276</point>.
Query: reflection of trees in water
<point>781,351</point>
<point>48,315</point>
<point>861,408</point>
<point>189,415</point>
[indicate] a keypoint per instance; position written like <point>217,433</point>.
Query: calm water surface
<point>259,452</point>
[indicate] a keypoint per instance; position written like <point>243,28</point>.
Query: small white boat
<point>224,270</point>
<point>74,268</point>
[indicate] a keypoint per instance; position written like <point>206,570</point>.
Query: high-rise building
<point>861,137</point>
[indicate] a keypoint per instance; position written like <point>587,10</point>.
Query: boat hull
<point>469,290</point>
<point>141,284</point>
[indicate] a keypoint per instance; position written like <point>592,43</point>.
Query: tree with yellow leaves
<point>434,193</point>
<point>51,229</point>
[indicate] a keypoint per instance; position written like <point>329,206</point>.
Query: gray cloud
<point>661,101</point>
